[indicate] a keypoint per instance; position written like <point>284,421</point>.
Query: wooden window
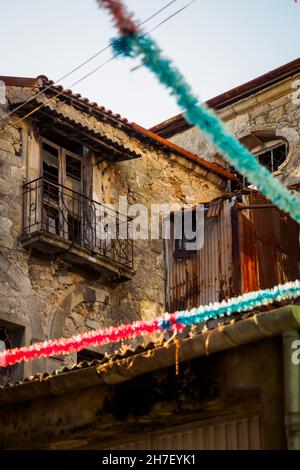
<point>62,190</point>
<point>50,163</point>
<point>273,157</point>
<point>11,336</point>
<point>89,355</point>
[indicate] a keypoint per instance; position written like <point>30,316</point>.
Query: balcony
<point>62,222</point>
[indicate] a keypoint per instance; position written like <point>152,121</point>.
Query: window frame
<point>16,334</point>
<point>62,229</point>
<point>271,149</point>
<point>62,153</point>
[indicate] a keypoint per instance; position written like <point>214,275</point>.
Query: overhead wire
<point>78,67</point>
<point>30,113</point>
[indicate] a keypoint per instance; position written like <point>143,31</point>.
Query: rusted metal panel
<point>244,250</point>
<point>207,275</point>
<point>21,81</point>
<point>236,255</point>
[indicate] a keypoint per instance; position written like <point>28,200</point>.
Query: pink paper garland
<point>79,342</point>
<point>168,322</point>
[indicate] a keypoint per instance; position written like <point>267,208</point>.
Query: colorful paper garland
<point>134,43</point>
<point>176,321</point>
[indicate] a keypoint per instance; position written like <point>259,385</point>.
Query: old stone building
<point>64,161</point>
<point>237,389</point>
<point>61,169</point>
<point>263,113</point>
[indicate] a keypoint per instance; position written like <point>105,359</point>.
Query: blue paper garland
<point>199,115</point>
<point>243,303</point>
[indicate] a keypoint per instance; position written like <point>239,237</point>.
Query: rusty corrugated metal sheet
<point>169,145</point>
<point>206,276</point>
<point>138,131</point>
<point>214,208</point>
<point>244,250</point>
<point>248,255</point>
<point>235,433</point>
<point>177,123</point>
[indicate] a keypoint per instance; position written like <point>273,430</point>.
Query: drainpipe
<point>291,391</point>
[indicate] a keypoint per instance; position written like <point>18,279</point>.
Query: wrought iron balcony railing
<point>66,214</point>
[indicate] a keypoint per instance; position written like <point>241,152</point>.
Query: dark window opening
<point>270,151</point>
<point>5,338</point>
<point>51,191</point>
<point>89,355</point>
<point>74,229</point>
<point>50,151</point>
<point>63,141</point>
<point>50,173</point>
<point>11,336</point>
<point>181,249</point>
<point>273,157</point>
<point>50,163</point>
<point>73,167</point>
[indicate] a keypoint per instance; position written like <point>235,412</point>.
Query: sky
<point>217,45</point>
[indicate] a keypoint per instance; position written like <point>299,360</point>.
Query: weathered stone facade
<point>272,112</point>
<point>49,297</point>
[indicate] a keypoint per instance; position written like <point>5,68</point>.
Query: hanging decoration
<point>134,43</point>
<point>175,322</point>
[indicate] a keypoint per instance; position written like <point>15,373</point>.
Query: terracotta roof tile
<point>139,132</point>
<point>177,123</point>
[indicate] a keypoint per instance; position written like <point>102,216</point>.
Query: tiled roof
<point>107,358</point>
<point>218,336</point>
<point>125,352</point>
<point>178,123</point>
<point>77,96</point>
<point>116,120</point>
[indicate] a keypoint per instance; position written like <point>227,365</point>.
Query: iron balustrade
<point>58,210</point>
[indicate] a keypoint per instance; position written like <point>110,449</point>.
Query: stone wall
<point>273,110</point>
<point>50,298</point>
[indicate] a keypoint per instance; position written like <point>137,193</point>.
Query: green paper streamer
<point>199,115</point>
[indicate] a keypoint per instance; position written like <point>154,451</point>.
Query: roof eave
<point>167,144</point>
<point>266,324</point>
<point>178,123</point>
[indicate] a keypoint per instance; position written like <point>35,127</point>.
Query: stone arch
<point>71,298</point>
<point>21,283</point>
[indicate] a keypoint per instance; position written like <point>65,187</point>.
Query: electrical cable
<point>78,67</point>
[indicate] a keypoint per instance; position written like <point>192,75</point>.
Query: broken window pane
<point>74,229</point>
<point>88,355</point>
<point>50,163</point>
<point>11,336</point>
<point>273,157</point>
